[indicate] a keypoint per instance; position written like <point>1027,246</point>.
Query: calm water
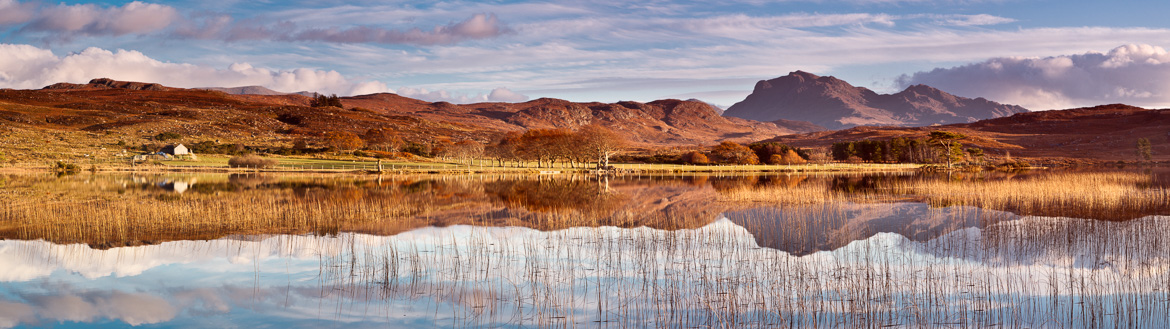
<point>559,252</point>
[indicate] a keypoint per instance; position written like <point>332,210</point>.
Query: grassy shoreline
<point>294,165</point>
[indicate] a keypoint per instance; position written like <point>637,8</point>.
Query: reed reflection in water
<point>1020,273</point>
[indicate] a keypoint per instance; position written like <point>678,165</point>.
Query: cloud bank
<point>29,67</point>
<point>63,22</point>
<point>1135,74</point>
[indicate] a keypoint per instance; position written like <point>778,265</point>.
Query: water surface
<point>520,251</point>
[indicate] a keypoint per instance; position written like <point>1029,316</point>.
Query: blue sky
<point>1037,53</point>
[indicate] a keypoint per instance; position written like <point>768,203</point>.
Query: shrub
<point>67,167</point>
<point>696,158</point>
<point>251,161</point>
<point>382,154</point>
<point>166,136</point>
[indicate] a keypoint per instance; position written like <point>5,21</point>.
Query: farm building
<point>177,149</point>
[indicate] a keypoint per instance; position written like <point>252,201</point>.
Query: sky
<point>1041,54</point>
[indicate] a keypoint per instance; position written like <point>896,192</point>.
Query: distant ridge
<point>255,90</point>
<point>262,112</point>
<point>105,83</point>
<point>836,104</point>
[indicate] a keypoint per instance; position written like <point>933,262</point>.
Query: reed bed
<point>1108,195</point>
<point>122,212</point>
<point>1096,195</point>
<point>1031,273</point>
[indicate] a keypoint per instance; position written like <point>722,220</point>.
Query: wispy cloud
<point>64,22</point>
<point>88,19</point>
<point>1133,74</point>
<point>479,26</point>
<point>221,27</point>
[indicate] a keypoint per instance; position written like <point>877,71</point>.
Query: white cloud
<point>29,67</point>
<point>500,94</point>
<point>1135,74</point>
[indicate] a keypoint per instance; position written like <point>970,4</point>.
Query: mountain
<point>798,127</point>
<point>835,104</point>
<point>661,122</point>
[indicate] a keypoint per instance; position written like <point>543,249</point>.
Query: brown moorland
<point>1100,133</point>
<point>75,120</point>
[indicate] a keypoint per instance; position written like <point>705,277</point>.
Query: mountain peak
<point>803,74</point>
<point>836,104</point>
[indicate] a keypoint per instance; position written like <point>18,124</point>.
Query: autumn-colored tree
<point>546,145</point>
<point>790,158</point>
<point>383,139</point>
<point>505,148</point>
<point>776,159</point>
<point>695,158</point>
<point>599,142</point>
<point>442,148</point>
<point>732,153</point>
<point>342,140</point>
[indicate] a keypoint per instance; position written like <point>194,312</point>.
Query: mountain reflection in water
<point>567,252</point>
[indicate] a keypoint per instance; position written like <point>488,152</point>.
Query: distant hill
<point>255,90</point>
<point>835,104</point>
<point>103,83</point>
<point>661,122</point>
<point>1106,132</point>
<point>260,114</point>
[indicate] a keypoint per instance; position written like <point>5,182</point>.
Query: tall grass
<point>1036,272</point>
<point>1097,195</point>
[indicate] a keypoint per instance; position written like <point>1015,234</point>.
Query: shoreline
<point>621,169</point>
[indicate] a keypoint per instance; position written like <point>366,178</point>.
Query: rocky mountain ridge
<point>836,104</point>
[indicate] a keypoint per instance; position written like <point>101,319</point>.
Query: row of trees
<point>546,147</point>
<point>939,147</point>
<point>592,143</point>
<point>756,153</point>
<point>322,101</point>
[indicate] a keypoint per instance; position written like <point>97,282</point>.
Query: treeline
<point>322,101</point>
<point>547,147</point>
<point>540,147</point>
<point>940,147</point>
<point>897,150</point>
<point>732,153</point>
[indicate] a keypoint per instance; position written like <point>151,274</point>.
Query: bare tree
<point>505,148</point>
<point>383,139</point>
<point>467,150</point>
<point>546,145</point>
<point>600,142</point>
